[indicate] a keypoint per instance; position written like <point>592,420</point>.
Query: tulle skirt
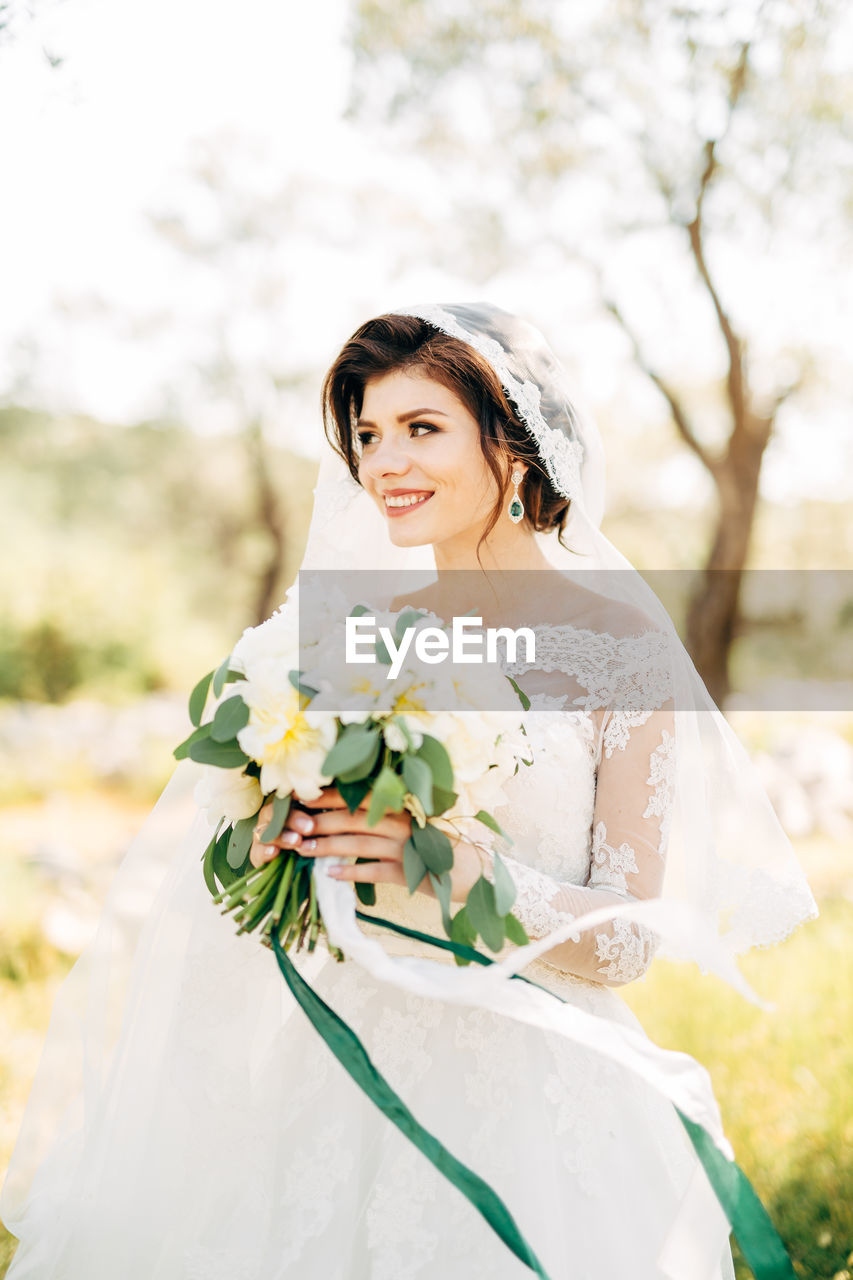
<point>188,1123</point>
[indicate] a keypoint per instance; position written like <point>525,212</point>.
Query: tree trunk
<point>714,610</point>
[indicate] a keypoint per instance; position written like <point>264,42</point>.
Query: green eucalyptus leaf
<point>417,776</point>
<point>483,914</point>
<point>198,698</point>
<point>243,867</point>
<point>241,841</point>
<point>441,800</point>
<point>224,874</point>
<point>408,618</point>
<point>353,794</point>
<point>354,748</point>
<point>358,610</point>
<point>389,792</point>
<point>522,696</point>
<point>182,751</point>
<point>488,821</point>
<point>220,824</point>
<point>365,768</point>
<point>207,868</point>
<point>515,930</point>
<point>280,810</point>
<point>462,931</point>
<point>504,885</point>
<point>225,755</point>
<point>442,888</point>
<point>231,716</point>
<point>413,865</point>
<point>432,751</point>
<point>220,675</point>
<point>295,678</point>
<point>366,893</point>
<point>382,654</point>
<point>434,848</point>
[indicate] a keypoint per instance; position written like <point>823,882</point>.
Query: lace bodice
<point>589,818</point>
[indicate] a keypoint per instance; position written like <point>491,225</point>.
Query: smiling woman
<point>424,424</point>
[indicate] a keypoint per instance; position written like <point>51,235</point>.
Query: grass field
<point>784,1080</point>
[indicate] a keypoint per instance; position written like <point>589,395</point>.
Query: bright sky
<point>102,142</point>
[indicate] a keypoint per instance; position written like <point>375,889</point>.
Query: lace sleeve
<point>633,808</point>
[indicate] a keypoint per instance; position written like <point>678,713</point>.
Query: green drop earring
<point>515,510</point>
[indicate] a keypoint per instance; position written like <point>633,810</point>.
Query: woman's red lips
<point>415,498</point>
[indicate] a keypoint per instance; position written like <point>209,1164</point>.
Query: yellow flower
<point>287,740</point>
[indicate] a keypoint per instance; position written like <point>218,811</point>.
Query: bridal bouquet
<point>286,731</point>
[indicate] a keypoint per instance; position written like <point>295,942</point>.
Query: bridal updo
<point>392,343</point>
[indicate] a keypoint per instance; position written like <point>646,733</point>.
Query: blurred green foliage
<point>134,555</point>
<point>783,1079</point>
<point>136,552</point>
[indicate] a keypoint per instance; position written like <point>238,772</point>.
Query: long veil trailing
<point>168,1008</point>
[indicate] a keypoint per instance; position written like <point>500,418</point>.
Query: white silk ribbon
<point>675,1075</point>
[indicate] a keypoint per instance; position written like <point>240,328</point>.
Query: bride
<point>187,1122</point>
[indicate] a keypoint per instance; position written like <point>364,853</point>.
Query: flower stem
<point>236,885</point>
<point>314,911</point>
<point>283,886</point>
<point>258,907</point>
<point>304,929</point>
<point>236,890</point>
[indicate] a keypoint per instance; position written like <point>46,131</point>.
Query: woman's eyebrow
<point>404,417</point>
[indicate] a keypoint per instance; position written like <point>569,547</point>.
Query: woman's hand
<point>325,827</point>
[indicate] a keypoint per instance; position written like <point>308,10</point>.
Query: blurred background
<point>201,202</point>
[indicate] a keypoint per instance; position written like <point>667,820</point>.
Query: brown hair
<point>394,342</point>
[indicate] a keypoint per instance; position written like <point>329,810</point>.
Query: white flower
<point>288,742</point>
<point>396,740</point>
<point>275,643</point>
<point>349,689</point>
<point>483,686</point>
<point>227,793</point>
<point>484,750</point>
<point>474,741</point>
<point>356,690</point>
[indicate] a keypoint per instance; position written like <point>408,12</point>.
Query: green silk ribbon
<point>759,1242</point>
<point>353,1056</point>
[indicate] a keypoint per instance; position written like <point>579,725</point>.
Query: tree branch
<point>735,377</point>
<point>736,380</point>
<point>785,393</point>
<point>679,413</point>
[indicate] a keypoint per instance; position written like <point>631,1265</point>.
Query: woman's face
<point>421,461</point>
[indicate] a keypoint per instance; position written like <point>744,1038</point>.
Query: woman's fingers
<point>351,846</point>
<point>334,821</point>
<point>331,798</point>
<point>261,853</point>
<point>264,815</point>
<point>392,826</point>
<point>370,873</point>
<point>330,829</point>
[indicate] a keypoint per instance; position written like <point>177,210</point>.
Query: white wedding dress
<point>224,1141</point>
